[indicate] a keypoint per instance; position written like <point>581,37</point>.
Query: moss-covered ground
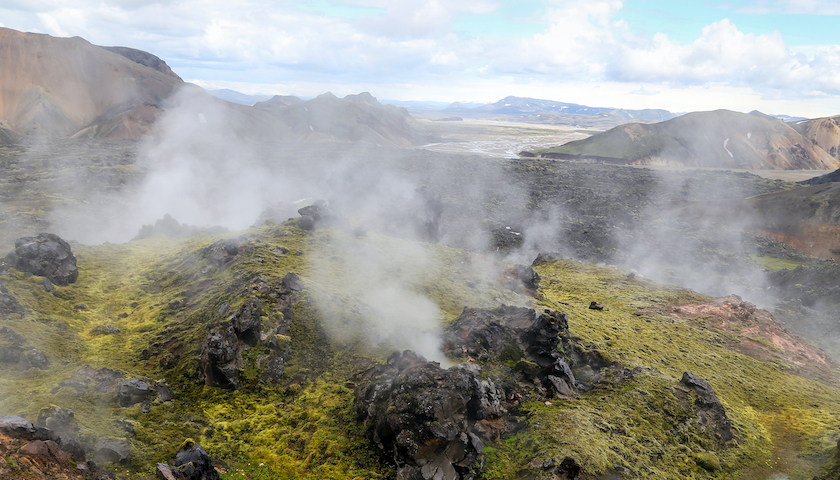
<point>161,293</point>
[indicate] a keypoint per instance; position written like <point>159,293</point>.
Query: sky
<point>776,56</point>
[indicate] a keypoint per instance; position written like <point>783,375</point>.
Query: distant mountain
<point>355,118</point>
<point>63,86</point>
<point>825,132</point>
<point>238,97</point>
<point>531,106</point>
<point>720,139</point>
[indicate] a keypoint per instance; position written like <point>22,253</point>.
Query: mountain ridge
<point>717,139</point>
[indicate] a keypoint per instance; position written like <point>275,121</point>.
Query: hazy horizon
<point>778,57</point>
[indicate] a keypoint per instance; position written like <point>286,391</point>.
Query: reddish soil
<point>761,337</point>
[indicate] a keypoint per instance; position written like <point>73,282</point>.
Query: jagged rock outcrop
<point>221,359</point>
<point>8,303</point>
<point>319,215</point>
<point>46,255</point>
<point>191,463</point>
<point>16,350</point>
<point>112,450</point>
<point>711,416</point>
<point>516,334</point>
<point>423,416</point>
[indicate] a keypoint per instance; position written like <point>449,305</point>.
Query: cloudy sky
<point>777,56</point>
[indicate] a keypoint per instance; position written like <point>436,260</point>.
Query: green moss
<point>161,293</point>
<point>775,264</point>
<point>707,461</point>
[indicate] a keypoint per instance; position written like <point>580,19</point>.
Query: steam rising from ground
<point>381,280</point>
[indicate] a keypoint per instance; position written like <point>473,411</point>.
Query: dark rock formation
<point>8,303</point>
<point>519,336</point>
<point>112,450</point>
<point>522,279</point>
<point>221,352</point>
<point>16,350</point>
<point>319,215</point>
<point>191,463</point>
<point>711,416</point>
<point>144,58</point>
<point>63,422</point>
<point>423,416</point>
<point>133,391</point>
<point>224,252</point>
<point>18,427</point>
<point>102,379</point>
<point>46,255</point>
<point>60,420</point>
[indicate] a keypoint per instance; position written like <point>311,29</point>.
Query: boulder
<point>319,215</point>
<point>16,350</point>
<point>221,352</point>
<point>18,427</point>
<point>46,452</point>
<point>711,416</point>
<point>517,335</point>
<point>112,450</point>
<point>60,420</point>
<point>193,463</point>
<point>423,416</point>
<point>224,252</point>
<point>8,303</point>
<point>247,322</point>
<point>133,391</point>
<point>221,357</point>
<point>46,255</point>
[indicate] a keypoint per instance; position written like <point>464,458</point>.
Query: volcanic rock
<point>15,349</point>
<point>221,357</point>
<point>18,427</point>
<point>224,252</point>
<point>423,416</point>
<point>46,255</point>
<point>60,420</point>
<point>111,450</point>
<point>194,463</point>
<point>319,215</point>
<point>8,303</point>
<point>191,463</point>
<point>133,391</point>
<point>515,334</point>
<point>221,352</point>
<point>711,416</point>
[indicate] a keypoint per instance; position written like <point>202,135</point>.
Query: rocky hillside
<point>806,218</point>
<point>717,139</point>
<point>60,86</point>
<point>824,132</point>
<point>255,346</point>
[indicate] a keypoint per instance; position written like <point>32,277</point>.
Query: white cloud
<point>408,44</point>
<point>791,7</point>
